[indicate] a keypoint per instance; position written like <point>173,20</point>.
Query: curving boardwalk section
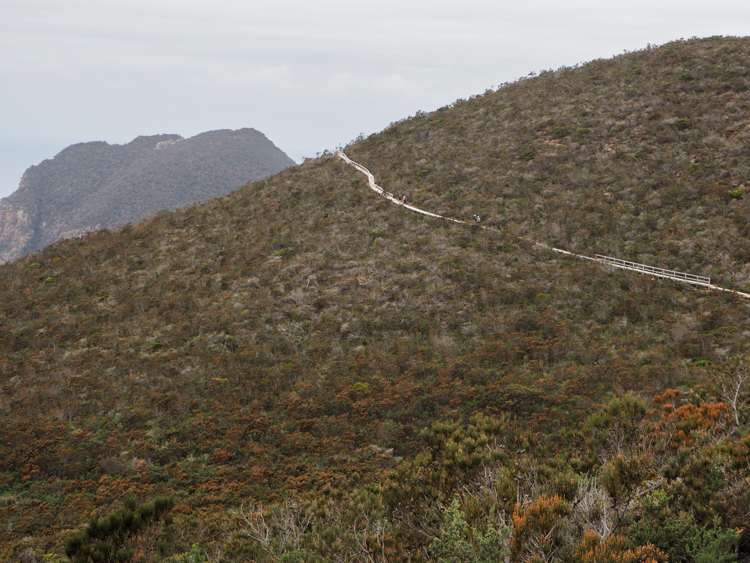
<point>387,195</point>
<point>614,262</point>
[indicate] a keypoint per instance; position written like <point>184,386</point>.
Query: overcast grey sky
<point>308,74</point>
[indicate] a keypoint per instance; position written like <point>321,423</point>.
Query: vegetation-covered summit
<point>97,185</point>
<point>313,374</point>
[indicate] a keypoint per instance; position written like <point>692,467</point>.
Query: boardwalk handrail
<point>658,272</point>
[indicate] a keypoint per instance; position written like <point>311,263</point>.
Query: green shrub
<point>195,555</point>
<point>452,195</point>
<point>679,535</point>
<point>457,544</point>
<point>108,539</point>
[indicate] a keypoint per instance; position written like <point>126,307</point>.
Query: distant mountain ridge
<point>97,185</point>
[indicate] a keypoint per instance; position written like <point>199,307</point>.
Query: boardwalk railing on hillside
<point>616,262</point>
<point>658,272</point>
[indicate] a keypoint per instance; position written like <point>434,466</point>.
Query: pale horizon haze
<point>309,75</point>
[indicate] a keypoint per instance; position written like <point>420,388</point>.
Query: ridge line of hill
<point>607,260</point>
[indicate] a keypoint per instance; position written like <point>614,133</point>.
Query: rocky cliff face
<point>16,232</point>
<point>94,185</point>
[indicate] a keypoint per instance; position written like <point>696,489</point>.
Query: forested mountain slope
<point>378,380</point>
<point>97,185</point>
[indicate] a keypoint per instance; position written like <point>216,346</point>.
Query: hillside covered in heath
<point>97,185</point>
<point>306,372</point>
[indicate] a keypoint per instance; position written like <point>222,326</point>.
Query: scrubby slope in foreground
<point>294,338</point>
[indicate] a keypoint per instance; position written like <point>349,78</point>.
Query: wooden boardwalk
<point>673,275</point>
